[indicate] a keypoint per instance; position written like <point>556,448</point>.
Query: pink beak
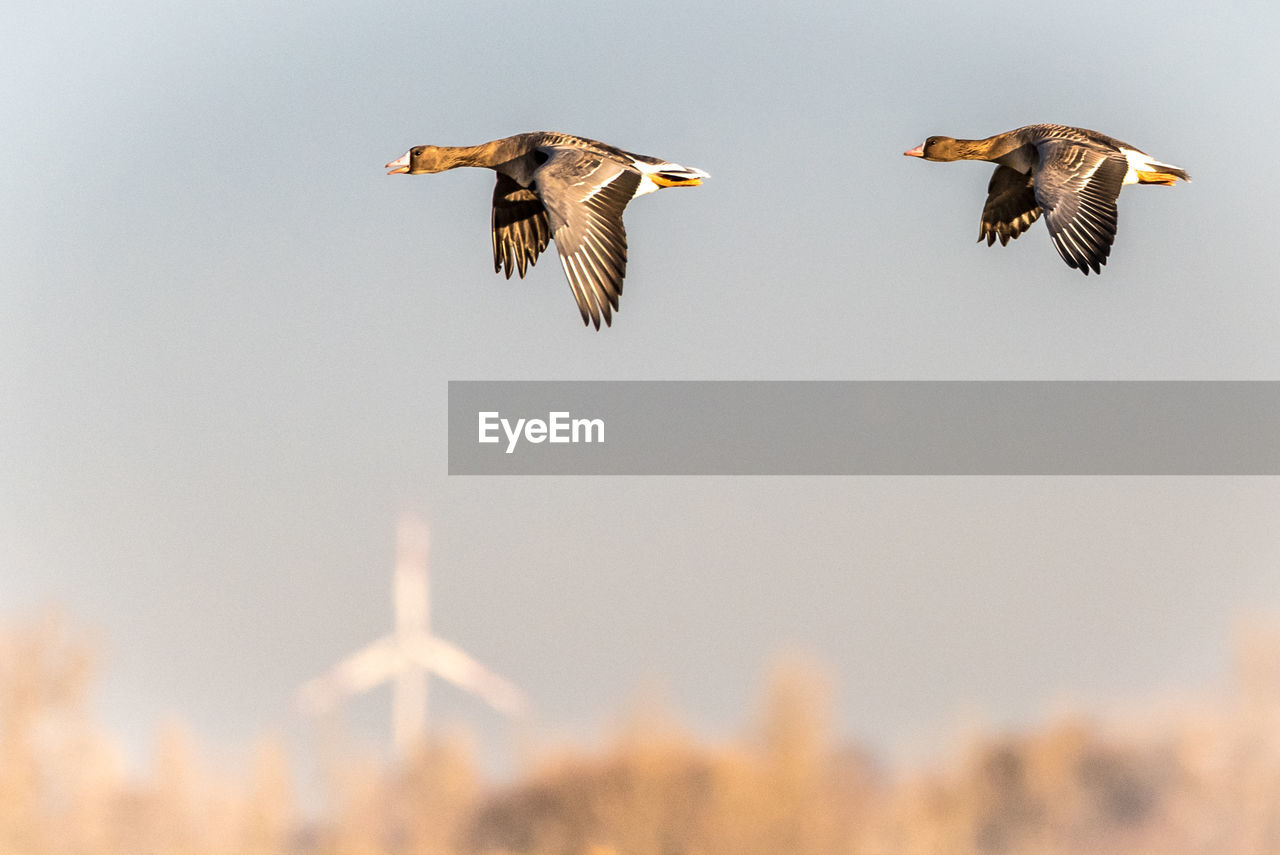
<point>400,165</point>
<point>918,151</point>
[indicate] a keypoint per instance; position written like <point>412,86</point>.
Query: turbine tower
<point>409,655</point>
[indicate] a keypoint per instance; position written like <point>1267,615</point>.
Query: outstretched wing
<point>520,230</point>
<point>584,194</point>
<point>1011,206</point>
<point>1077,186</point>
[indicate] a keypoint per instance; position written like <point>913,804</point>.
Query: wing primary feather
<point>585,307</point>
<point>584,285</point>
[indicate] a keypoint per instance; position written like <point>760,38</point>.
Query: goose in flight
<point>1071,175</point>
<point>560,187</point>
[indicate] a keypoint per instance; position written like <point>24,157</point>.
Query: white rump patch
<point>1138,162</point>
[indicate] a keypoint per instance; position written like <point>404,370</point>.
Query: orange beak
<point>918,151</point>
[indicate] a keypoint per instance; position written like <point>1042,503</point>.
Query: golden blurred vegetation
<point>1197,779</point>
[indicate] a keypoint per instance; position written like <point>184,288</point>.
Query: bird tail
<point>1161,173</point>
<point>675,175</point>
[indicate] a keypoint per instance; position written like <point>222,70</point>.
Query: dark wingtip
<point>590,317</point>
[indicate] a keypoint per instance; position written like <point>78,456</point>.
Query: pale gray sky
<point>225,337</point>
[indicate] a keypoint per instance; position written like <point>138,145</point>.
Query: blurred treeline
<point>1198,779</point>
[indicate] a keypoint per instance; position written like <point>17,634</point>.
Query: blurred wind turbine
<point>409,655</point>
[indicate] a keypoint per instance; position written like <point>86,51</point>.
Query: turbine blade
<point>358,673</point>
<point>449,662</point>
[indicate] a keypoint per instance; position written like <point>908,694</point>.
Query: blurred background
<point>225,338</point>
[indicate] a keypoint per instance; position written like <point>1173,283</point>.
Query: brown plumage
<point>1071,175</point>
<point>569,189</point>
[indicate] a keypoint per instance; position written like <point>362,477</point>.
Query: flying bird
<point>1071,175</point>
<point>570,189</point>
